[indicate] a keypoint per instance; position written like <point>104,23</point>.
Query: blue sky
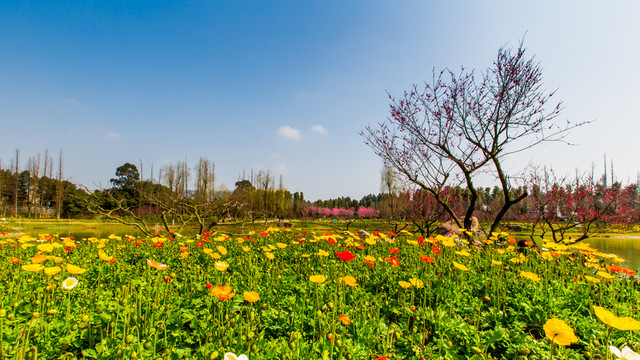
<point>287,86</point>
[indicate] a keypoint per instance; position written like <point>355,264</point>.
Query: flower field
<point>285,294</point>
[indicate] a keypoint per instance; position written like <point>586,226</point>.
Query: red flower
<point>426,258</point>
<point>420,240</point>
<point>360,246</point>
<point>206,233</point>
<point>384,357</point>
<point>112,261</point>
<point>331,241</point>
<point>393,260</point>
<point>346,255</point>
<point>200,243</point>
<point>264,233</point>
<point>209,285</point>
<point>628,271</point>
<point>204,238</point>
<point>137,244</point>
<point>159,244</point>
<point>614,268</point>
<point>68,248</point>
<point>394,251</point>
<point>435,249</point>
<point>167,279</point>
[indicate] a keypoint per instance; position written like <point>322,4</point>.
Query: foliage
<point>295,294</point>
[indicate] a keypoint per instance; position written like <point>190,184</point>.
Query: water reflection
<point>627,248</point>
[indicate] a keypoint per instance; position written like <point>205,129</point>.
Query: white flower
<point>625,354</point>
<point>69,283</point>
<point>232,356</point>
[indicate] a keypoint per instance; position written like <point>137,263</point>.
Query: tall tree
<point>451,130</point>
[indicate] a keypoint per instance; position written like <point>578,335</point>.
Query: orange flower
<point>15,260</point>
<point>251,296</point>
<point>394,251</point>
<point>426,258</point>
<point>156,265</point>
<point>222,292</point>
<point>614,268</point>
<point>344,319</point>
<point>393,260</point>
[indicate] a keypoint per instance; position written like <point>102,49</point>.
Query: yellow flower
<point>404,284</point>
<point>607,317</point>
<point>559,332</point>
<point>52,270</point>
<point>32,267</point>
<point>495,262</point>
<point>45,247</point>
<point>349,281</point>
<point>318,279</point>
<point>448,242</point>
<point>104,256</point>
<point>184,254</point>
<point>370,258</point>
<point>75,270</point>
<point>220,265</point>
<point>460,266</point>
<point>463,253</point>
<point>251,296</point>
<point>529,275</point>
<point>37,259</point>
<point>270,256</point>
<point>281,245</point>
<point>592,279</point>
<point>207,250</point>
<point>69,283</point>
<point>246,249</point>
<point>215,256</point>
<point>605,275</point>
<point>322,253</point>
<point>416,282</point>
<point>221,249</point>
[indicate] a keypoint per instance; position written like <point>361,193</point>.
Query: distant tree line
<point>38,190</point>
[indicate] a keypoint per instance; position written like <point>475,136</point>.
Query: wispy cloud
<point>282,169</point>
<point>288,132</point>
<point>111,135</point>
<point>319,129</point>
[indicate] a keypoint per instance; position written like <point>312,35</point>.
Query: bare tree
<point>205,180</point>
<point>457,127</point>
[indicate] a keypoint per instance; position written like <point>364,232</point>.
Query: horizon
<point>288,87</point>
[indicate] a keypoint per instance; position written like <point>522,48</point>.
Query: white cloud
<point>288,132</point>
<point>319,129</point>
<point>282,169</point>
<point>111,135</point>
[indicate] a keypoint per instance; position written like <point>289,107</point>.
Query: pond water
<point>626,247</point>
